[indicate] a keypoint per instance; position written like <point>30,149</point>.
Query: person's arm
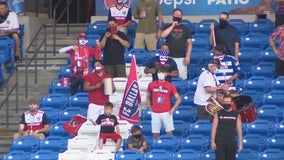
<point>21,129</point>
<point>188,52</point>
<point>160,17</point>
<point>237,49</point>
<point>239,130</point>
<point>211,38</point>
<point>103,40</point>
<point>123,42</point>
<point>88,87</point>
<point>149,102</point>
<point>213,131</point>
<point>66,49</point>
<point>173,74</point>
<point>177,103</point>
<point>45,128</point>
<point>168,30</point>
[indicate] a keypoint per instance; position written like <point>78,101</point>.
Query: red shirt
<point>161,93</point>
<point>97,96</point>
<point>34,121</point>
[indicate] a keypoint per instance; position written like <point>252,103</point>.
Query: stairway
<point>44,77</point>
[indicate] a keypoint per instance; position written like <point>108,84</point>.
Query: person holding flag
<point>159,94</point>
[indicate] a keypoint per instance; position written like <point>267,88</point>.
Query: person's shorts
<point>114,136</point>
<point>162,119</point>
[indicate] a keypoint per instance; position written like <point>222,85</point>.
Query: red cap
<point>81,35</point>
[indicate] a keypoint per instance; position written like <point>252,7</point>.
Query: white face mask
<point>216,71</point>
<point>83,42</point>
<point>161,76</point>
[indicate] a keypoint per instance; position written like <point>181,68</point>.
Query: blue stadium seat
<point>264,26</point>
<point>180,85</point>
<point>258,84</point>
<point>51,113</point>
<point>198,56</point>
<point>146,127</point>
<point>44,155</point>
<point>255,40</point>
<point>80,99</point>
<point>64,72</point>
<point>254,142</point>
<point>92,38</point>
<point>267,55</point>
<point>98,27</point>
<point>276,141</point>
<point>192,83</point>
<point>187,98</point>
<point>246,54</point>
<point>160,42</point>
<point>274,97</point>
<point>266,69</point>
<point>185,154</point>
<point>180,128</point>
<point>192,71</point>
<point>132,29</point>
<point>247,154</point>
<point>185,113</point>
<point>128,154</point>
<point>208,155</point>
<point>57,129</point>
<point>278,83</point>
<point>196,142</point>
<point>202,127</point>
<point>189,24</point>
<point>168,142</point>
<point>270,112</point>
<point>244,71</point>
<point>16,155</point>
<point>260,127</point>
<point>204,26</point>
<point>201,41</point>
<point>141,56</point>
<point>158,154</point>
<point>279,127</point>
<point>25,143</point>
<point>54,100</point>
<point>7,48</point>
<point>271,154</point>
<point>146,114</point>
<point>70,112</point>
<point>57,87</point>
<point>241,26</point>
<point>54,143</point>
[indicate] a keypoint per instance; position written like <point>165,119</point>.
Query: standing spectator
<point>122,13</point>
<point>109,124</point>
<point>279,16</point>
<point>179,38</point>
<point>80,55</point>
<point>278,36</point>
<point>9,25</point>
<point>159,94</point>
<point>94,85</point>
<point>113,43</point>
<point>207,86</point>
<point>223,133</point>
<point>226,35</point>
<point>33,122</point>
<point>137,141</point>
<point>162,60</point>
<point>147,11</point>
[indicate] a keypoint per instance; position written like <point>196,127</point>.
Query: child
<point>136,141</point>
<point>108,121</point>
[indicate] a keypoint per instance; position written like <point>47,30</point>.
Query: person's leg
<point>17,136</point>
<point>74,85</point>
<point>117,146</point>
<point>279,19</point>
<point>220,151</point>
<point>139,41</point>
<point>201,112</point>
<point>109,69</point>
<point>156,124</point>
<point>101,143</point>
<point>279,67</point>
<point>230,150</point>
<point>168,122</point>
<point>151,41</point>
<point>182,69</point>
<point>81,85</point>
<point>120,70</point>
<point>17,47</point>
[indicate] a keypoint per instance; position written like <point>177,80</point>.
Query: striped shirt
<point>280,9</point>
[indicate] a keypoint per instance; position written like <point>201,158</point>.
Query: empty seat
<point>180,128</point>
<point>278,83</point>
<point>54,143</point>
<point>204,26</point>
<point>146,114</point>
<point>128,154</point>
<point>187,98</point>
<point>167,142</point>
<point>84,143</point>
<point>88,128</point>
<point>44,155</point>
<point>72,154</point>
<point>202,127</point>
<point>279,127</point>
<point>70,112</point>
<point>246,154</point>
<point>266,69</point>
<point>267,55</point>
<point>185,113</point>
<point>264,26</point>
<point>80,99</point>
<point>92,38</point>
<point>260,127</point>
<point>192,83</point>
<point>51,113</point>
<point>64,72</point>
<point>271,154</point>
<point>57,129</point>
<point>180,85</point>
<point>125,128</point>
<point>274,97</point>
<point>255,40</point>
<point>240,25</point>
<point>254,142</point>
<point>54,100</point>
<point>25,143</point>
<point>158,154</point>
<point>98,27</point>
<point>141,56</point>
<point>246,54</point>
<point>208,155</point>
<point>185,154</point>
<point>270,112</point>
<point>201,41</point>
<point>100,155</point>
<point>58,87</point>
<point>16,155</point>
<point>276,141</point>
<point>257,83</point>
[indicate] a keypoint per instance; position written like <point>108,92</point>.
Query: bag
<point>73,125</point>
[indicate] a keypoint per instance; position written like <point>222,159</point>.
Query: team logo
<point>109,3</point>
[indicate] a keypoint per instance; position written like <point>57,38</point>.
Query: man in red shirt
<point>94,85</point>
<point>159,94</point>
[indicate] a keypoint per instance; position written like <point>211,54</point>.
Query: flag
<point>131,98</point>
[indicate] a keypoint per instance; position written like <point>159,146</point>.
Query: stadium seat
<point>185,154</point>
<point>120,83</point>
<point>196,142</point>
<point>247,154</point>
<point>128,154</point>
<point>278,83</point>
<point>192,71</point>
<point>204,26</point>
<point>132,29</point>
<point>146,114</point>
<point>274,97</point>
<point>267,55</point>
<point>57,87</point>
<point>260,127</point>
<point>168,142</point>
<point>16,155</point>
<point>187,98</point>
<point>246,54</point>
<point>51,113</point>
<point>189,24</point>
<point>180,128</point>
<point>180,85</point>
<point>98,27</point>
<point>141,56</point>
<point>70,112</point>
<point>125,128</point>
<point>80,99</point>
<point>72,154</point>
<point>201,41</point>
<point>185,113</point>
<point>158,154</point>
<point>241,26</point>
<point>264,26</point>
<point>57,129</point>
<point>208,155</point>
<point>256,96</point>
<point>279,127</point>
<point>254,142</point>
<point>100,155</point>
<point>244,72</point>
<point>54,100</point>
<point>44,155</point>
<point>258,84</point>
<point>88,128</point>
<point>255,40</point>
<point>271,154</point>
<point>25,143</point>
<point>202,127</point>
<point>266,69</point>
<point>198,56</point>
<point>92,38</point>
<point>54,143</point>
<point>64,72</point>
<point>144,82</point>
<point>270,112</point>
<point>84,143</point>
<point>192,83</point>
<point>276,141</point>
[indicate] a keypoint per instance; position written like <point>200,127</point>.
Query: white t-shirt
<point>11,22</point>
<point>206,79</point>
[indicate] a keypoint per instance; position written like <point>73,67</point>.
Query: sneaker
<point>17,60</point>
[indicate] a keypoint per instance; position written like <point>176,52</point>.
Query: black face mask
<point>178,19</point>
<point>226,106</point>
<point>223,23</point>
<point>137,136</point>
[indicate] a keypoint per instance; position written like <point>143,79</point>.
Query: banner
<point>131,98</point>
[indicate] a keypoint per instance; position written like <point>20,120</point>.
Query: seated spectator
<point>108,122</point>
<point>33,122</point>
<point>137,141</point>
<point>9,26</point>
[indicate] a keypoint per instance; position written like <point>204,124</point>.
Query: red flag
<point>131,98</point>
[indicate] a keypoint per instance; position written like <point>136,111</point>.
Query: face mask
<point>216,71</point>
<point>83,42</point>
<point>223,23</point>
<point>178,19</point>
<point>137,136</point>
<point>112,29</point>
<point>161,76</point>
<point>98,69</point>
<point>226,106</point>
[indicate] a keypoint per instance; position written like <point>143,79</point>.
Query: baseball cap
<point>81,35</point>
<point>163,52</point>
<point>33,101</point>
<point>215,61</point>
<point>120,1</point>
